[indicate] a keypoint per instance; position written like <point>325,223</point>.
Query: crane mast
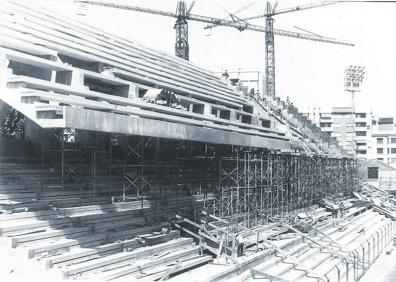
<point>183,15</point>
<point>182,49</point>
<point>269,53</point>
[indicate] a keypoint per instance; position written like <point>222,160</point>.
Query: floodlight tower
<point>353,80</point>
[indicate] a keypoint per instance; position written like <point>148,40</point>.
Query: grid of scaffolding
<point>245,186</point>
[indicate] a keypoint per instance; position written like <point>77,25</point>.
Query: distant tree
<point>13,124</point>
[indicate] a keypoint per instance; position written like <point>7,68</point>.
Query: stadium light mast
<point>353,81</point>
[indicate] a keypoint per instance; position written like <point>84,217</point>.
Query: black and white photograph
<point>207,140</point>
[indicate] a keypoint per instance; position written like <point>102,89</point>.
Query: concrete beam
<point>84,119</point>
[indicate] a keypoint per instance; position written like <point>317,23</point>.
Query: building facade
<point>383,140</point>
<point>349,128</point>
<point>361,133</point>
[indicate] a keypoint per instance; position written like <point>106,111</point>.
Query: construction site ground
<point>59,238</point>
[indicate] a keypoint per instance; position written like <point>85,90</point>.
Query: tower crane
<point>183,15</point>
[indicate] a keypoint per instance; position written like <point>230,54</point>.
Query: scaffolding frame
<point>256,185</point>
<point>243,185</point>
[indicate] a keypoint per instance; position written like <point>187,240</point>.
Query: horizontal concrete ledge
<point>85,119</point>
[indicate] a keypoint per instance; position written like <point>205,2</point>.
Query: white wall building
<point>351,129</point>
<point>383,140</point>
<point>370,137</point>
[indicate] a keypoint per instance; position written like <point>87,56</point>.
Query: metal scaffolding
<point>243,185</point>
<point>255,185</point>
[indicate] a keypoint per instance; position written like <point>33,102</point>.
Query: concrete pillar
<point>233,115</point>
<point>255,120</point>
<point>4,70</point>
<point>53,76</point>
<point>77,79</point>
<point>133,91</point>
<point>207,109</point>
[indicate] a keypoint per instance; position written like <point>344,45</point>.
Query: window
<point>325,124</point>
<point>393,140</point>
<point>372,173</point>
<point>360,133</point>
<point>361,115</point>
<point>393,150</point>
<point>380,159</point>
<point>361,124</point>
<point>380,151</point>
<point>380,140</point>
<point>361,144</point>
<point>266,123</point>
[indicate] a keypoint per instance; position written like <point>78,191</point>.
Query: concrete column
<point>207,109</point>
<point>77,79</point>
<point>4,70</point>
<point>255,120</point>
<point>133,91</point>
<point>233,115</point>
<point>53,76</point>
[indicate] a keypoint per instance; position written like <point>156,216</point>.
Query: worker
<point>252,92</point>
<point>335,211</point>
<point>258,96</point>
<point>342,209</point>
<point>226,75</point>
<point>240,243</point>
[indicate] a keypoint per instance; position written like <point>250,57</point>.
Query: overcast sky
<point>310,73</point>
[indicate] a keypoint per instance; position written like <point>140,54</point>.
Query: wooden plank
<point>45,235</point>
<point>216,218</point>
<point>260,274</point>
<point>245,265</point>
<point>335,252</point>
<point>125,257</point>
<point>66,244</point>
<point>101,220</point>
<point>139,266</point>
<point>183,266</point>
<point>384,211</point>
<point>297,263</point>
<point>200,226</point>
<point>104,225</point>
<point>186,230</point>
<point>34,224</point>
<point>88,254</point>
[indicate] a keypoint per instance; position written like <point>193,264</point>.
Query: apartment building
<point>349,128</point>
<point>383,140</point>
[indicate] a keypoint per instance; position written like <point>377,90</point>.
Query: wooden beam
<point>123,258</point>
<point>177,254</point>
<point>260,274</point>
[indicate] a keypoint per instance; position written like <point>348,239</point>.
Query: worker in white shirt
<point>240,243</point>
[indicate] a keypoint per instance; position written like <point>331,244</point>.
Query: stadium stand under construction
<point>138,165</point>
